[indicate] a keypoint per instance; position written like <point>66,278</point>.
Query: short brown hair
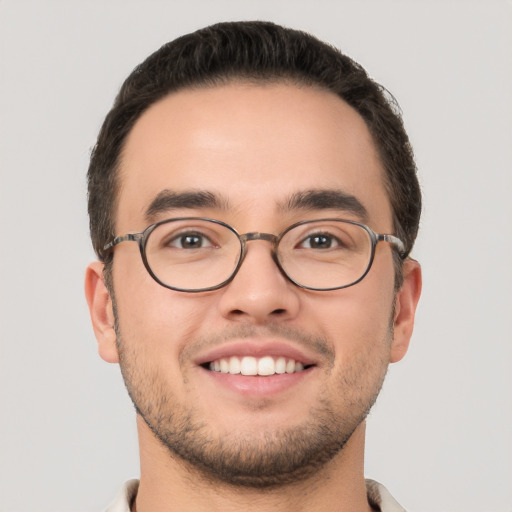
<point>256,52</point>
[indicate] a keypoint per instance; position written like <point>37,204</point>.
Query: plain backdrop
<point>440,435</point>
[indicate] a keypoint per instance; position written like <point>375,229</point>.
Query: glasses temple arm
<point>394,240</point>
<point>130,237</point>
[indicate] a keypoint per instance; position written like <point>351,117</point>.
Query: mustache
<point>317,343</point>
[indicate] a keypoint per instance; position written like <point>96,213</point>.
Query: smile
<point>261,366</point>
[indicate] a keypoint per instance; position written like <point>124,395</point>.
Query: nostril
<point>276,312</point>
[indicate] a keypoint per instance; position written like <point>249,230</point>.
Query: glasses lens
<point>325,254</point>
<point>192,254</point>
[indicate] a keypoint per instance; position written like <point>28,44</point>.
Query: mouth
<point>265,366</point>
<point>256,368</point>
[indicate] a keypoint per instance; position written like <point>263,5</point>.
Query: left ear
<point>101,310</point>
<point>405,308</point>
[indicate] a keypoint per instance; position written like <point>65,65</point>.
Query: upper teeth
<point>249,365</point>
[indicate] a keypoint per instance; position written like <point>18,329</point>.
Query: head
<point>259,127</point>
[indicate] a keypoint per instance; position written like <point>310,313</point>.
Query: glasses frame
<point>142,238</point>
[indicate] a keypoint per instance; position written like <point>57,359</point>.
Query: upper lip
<point>255,348</point>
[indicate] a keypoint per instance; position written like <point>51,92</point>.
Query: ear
<point>102,314</point>
<point>405,308</point>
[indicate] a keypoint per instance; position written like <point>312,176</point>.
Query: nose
<point>259,293</point>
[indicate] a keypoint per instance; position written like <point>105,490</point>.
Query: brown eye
<point>190,241</point>
<point>320,241</point>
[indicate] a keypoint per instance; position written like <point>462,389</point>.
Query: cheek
<point>157,322</point>
<point>356,320</point>
<point>361,334</point>
<point>353,318</point>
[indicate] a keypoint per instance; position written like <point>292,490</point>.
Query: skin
<point>256,145</point>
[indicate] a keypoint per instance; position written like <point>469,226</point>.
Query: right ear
<point>102,313</point>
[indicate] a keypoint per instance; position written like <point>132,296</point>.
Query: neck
<point>168,484</point>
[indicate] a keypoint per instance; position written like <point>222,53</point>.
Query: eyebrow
<point>330,199</point>
<point>168,200</point>
<point>308,200</point>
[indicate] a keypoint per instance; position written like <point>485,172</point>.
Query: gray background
<point>440,435</point>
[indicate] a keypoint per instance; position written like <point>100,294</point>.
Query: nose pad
<point>259,291</point>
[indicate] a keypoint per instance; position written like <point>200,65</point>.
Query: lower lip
<point>259,386</point>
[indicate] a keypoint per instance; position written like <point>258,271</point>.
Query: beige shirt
<point>378,497</point>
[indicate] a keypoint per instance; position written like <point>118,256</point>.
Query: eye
<point>191,240</point>
<point>319,241</point>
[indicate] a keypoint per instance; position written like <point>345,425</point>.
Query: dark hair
<point>256,52</point>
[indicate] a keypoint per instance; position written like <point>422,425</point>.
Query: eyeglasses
<point>194,254</point>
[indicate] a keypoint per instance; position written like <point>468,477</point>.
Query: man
<point>253,202</point>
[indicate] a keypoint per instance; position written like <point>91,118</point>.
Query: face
<point>253,148</point>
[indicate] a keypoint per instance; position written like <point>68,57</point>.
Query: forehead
<point>253,145</point>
